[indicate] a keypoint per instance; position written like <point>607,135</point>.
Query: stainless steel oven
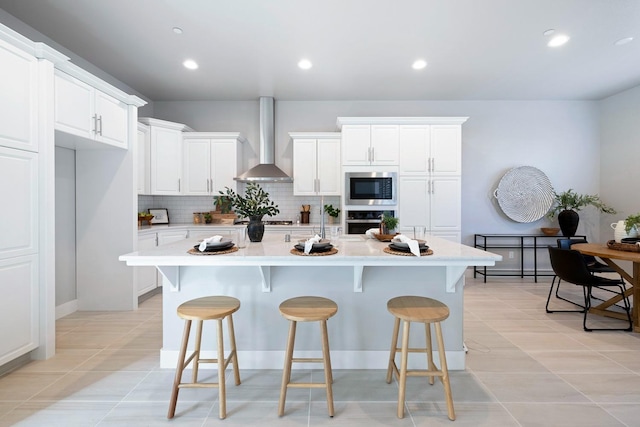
<point>358,222</point>
<point>371,188</point>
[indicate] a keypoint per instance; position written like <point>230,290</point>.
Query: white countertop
<point>353,250</point>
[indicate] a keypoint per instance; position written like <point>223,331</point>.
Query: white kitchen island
<point>360,278</point>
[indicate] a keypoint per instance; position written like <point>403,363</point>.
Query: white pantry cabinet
<point>165,156</point>
<point>83,110</point>
<point>316,164</point>
<point>433,202</point>
<point>144,159</point>
<point>430,149</point>
<point>370,144</point>
<point>211,161</point>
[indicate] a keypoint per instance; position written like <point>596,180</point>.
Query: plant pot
<point>568,222</point>
<point>255,229</point>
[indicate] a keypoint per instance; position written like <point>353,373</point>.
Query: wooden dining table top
<point>602,251</point>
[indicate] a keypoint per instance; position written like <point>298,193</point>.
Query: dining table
<point>608,255</point>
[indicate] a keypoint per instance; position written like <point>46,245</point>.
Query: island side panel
<point>359,334</point>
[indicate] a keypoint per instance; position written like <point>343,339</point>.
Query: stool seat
<point>418,309</point>
<point>308,309</point>
<point>208,308</point>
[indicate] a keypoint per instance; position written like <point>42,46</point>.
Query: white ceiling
<point>361,49</point>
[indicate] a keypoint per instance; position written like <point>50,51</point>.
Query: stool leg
<point>403,368</point>
<point>179,369</point>
<point>221,385</point>
<point>328,376</point>
<point>445,372</point>
<point>286,372</point>
<point>196,358</point>
<point>430,366</point>
<point>392,353</point>
<point>234,352</point>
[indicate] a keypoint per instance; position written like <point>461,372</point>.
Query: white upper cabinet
<point>316,163</point>
<point>82,110</point>
<point>144,159</point>
<point>165,156</point>
<point>211,161</point>
<point>18,92</point>
<point>430,149</point>
<point>364,144</point>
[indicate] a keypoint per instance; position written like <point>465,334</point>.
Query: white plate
<point>421,243</point>
<point>222,242</point>
<point>321,244</point>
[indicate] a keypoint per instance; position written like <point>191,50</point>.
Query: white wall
<point>65,226</point>
<point>620,155</point>
<point>559,137</point>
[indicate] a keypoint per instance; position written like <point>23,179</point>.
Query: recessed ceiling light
<point>558,40</point>
<point>623,41</point>
<point>419,64</point>
<point>190,64</point>
<point>305,64</point>
<point>177,30</point>
<point>549,32</point>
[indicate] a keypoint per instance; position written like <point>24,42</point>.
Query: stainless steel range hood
<point>266,171</point>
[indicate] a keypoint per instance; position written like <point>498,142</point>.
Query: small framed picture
<point>160,215</point>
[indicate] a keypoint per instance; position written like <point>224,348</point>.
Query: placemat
<point>331,251</point>
<point>194,251</point>
<point>388,250</point>
<point>627,247</point>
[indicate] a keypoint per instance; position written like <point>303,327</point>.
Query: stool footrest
<point>198,385</point>
<point>307,359</point>
<point>307,385</point>
<point>412,350</point>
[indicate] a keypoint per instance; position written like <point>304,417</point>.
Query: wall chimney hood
<point>266,171</point>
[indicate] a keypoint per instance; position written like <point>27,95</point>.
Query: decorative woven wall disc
<point>525,194</point>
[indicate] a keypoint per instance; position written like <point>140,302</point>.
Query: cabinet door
<point>112,120</point>
<point>18,90</point>
<point>144,159</point>
<point>165,237</point>
<point>19,306</point>
<point>356,141</point>
<point>147,277</point>
<point>166,161</point>
<point>197,155</point>
<point>328,167</point>
<point>413,201</point>
<point>304,167</point>
<point>19,196</point>
<point>74,106</point>
<point>414,150</point>
<point>384,144</point>
<point>445,203</point>
<point>224,161</point>
<point>446,149</point>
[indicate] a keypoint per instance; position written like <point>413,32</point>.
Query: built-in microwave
<point>371,188</point>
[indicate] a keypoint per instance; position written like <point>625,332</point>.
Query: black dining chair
<point>593,265</point>
<point>569,265</point>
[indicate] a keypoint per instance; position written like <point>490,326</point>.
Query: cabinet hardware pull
<point>178,185</point>
<point>100,127</point>
<point>208,186</point>
<point>373,154</point>
<point>95,123</point>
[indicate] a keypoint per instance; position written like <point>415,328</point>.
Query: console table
<point>525,243</point>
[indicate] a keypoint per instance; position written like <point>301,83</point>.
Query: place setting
<point>314,246</point>
<point>214,245</point>
<point>405,246</point>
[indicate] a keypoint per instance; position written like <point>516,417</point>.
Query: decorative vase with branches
<point>253,205</point>
<point>566,206</point>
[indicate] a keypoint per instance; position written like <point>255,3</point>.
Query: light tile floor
<point>524,368</point>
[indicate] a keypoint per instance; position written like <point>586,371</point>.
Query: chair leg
<point>179,369</point>
<point>392,352</point>
<point>557,286</point>
<point>627,308</point>
<point>222,391</point>
<point>234,351</point>
<point>403,368</point>
<point>445,372</point>
<point>328,376</point>
<point>286,372</point>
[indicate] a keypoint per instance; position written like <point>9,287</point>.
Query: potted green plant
<point>223,204</point>
<point>567,204</point>
<point>631,222</point>
<point>254,205</point>
<point>388,224</point>
<point>332,212</point>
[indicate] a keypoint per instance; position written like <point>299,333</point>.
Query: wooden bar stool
<point>307,309</point>
<point>200,309</point>
<point>423,310</point>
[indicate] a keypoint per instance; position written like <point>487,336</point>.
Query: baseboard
<point>66,309</point>
<point>142,298</point>
<point>339,359</point>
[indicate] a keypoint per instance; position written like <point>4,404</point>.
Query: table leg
<point>636,296</point>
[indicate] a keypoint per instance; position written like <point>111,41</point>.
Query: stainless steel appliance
<point>371,188</point>
<point>358,222</point>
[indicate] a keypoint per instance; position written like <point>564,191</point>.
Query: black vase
<point>568,222</point>
<point>255,228</point>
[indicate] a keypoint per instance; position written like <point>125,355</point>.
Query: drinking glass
<point>241,237</point>
<point>335,232</point>
<point>419,232</point>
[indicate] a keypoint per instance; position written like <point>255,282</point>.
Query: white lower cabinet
<point>19,315</point>
<point>147,277</point>
<point>165,237</point>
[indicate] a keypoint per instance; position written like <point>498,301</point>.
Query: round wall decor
<point>525,194</point>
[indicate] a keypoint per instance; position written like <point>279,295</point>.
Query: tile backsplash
<point>181,208</point>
